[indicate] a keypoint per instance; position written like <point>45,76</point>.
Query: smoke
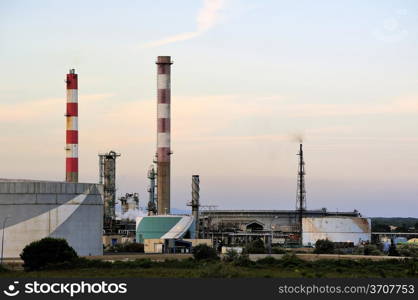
<point>132,214</point>
<point>207,18</point>
<point>297,138</point>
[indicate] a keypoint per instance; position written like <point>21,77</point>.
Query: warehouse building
<point>31,210</point>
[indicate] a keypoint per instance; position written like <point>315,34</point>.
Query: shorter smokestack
<point>195,203</point>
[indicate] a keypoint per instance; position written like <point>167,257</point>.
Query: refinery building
<point>84,213</point>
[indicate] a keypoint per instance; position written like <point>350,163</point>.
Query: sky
<point>249,79</point>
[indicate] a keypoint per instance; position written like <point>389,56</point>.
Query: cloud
<point>207,18</point>
<point>31,110</point>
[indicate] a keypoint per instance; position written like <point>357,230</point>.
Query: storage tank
<point>336,229</point>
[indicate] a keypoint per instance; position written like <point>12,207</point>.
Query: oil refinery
<point>85,214</point>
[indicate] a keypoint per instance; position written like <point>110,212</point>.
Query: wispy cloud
<point>207,18</point>
<point>32,110</point>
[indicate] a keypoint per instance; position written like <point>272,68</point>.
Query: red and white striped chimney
<point>163,134</point>
<point>71,171</point>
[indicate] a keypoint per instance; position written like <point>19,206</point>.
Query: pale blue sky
<point>247,77</point>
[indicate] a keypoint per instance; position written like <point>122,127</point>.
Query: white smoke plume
<point>297,137</point>
<point>207,18</point>
<point>132,214</point>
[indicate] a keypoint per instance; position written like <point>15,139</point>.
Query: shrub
<point>47,251</point>
<point>371,250</point>
<point>239,260</point>
<point>291,261</point>
<point>243,260</point>
<point>408,250</point>
<point>324,247</point>
<point>267,261</point>
<point>255,247</point>
<point>231,255</point>
<point>204,252</point>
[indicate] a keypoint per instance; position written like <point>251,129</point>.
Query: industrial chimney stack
<point>195,203</point>
<point>301,192</point>
<point>163,133</point>
<point>71,172</point>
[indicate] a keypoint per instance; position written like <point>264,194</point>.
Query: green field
<point>289,266</point>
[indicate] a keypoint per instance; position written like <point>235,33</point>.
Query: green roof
<point>154,227</point>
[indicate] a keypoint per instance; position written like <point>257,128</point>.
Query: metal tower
<point>152,207</point>
<point>301,192</point>
<point>107,175</point>
<point>195,203</point>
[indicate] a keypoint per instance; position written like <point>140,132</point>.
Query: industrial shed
<point>32,210</point>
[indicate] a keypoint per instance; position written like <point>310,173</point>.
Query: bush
<point>231,255</point>
<point>255,247</point>
<point>371,250</point>
<point>243,260</point>
<point>324,247</point>
<point>291,261</point>
<point>204,252</point>
<point>267,261</point>
<point>408,250</point>
<point>239,260</point>
<point>47,251</point>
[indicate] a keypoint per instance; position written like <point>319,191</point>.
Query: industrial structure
<point>301,192</point>
<point>84,214</point>
<point>163,133</point>
<point>129,202</point>
<point>300,227</point>
<point>195,201</point>
<point>107,177</point>
<point>71,161</point>
<point>31,210</point>
<point>232,227</point>
<point>337,229</point>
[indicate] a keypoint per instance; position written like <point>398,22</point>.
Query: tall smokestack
<point>301,192</point>
<point>71,171</point>
<point>163,133</point>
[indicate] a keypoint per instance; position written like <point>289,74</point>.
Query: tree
<point>204,252</point>
<point>324,247</point>
<point>48,251</point>
<point>255,247</point>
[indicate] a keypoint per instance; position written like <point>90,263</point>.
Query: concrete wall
<point>38,209</point>
<point>153,245</point>
<point>336,229</point>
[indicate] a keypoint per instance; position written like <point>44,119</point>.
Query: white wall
<point>336,229</point>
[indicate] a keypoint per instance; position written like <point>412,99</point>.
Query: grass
<point>288,266</point>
